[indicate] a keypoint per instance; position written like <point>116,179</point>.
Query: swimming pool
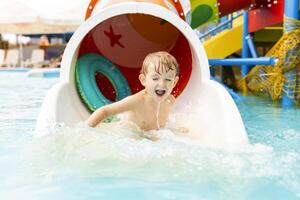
<point>78,163</point>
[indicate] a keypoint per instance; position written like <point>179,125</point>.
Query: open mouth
<point>160,92</point>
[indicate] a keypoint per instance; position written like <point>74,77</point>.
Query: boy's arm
<point>111,109</point>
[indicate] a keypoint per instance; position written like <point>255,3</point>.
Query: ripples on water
<point>109,163</point>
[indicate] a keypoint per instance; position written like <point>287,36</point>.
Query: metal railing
<point>220,27</point>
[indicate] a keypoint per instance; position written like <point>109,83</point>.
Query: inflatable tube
<point>86,67</point>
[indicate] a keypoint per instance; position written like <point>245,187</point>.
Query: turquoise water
<point>80,163</point>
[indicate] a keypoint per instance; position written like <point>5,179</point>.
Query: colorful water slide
<point>203,11</point>
<point>265,22</point>
<point>227,42</point>
<point>102,61</point>
<point>262,14</point>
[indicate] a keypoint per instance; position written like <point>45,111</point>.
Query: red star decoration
<point>114,38</point>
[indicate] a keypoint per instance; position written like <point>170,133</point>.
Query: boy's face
<point>159,86</point>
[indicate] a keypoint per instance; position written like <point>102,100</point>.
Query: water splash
<point>157,115</point>
<point>118,151</point>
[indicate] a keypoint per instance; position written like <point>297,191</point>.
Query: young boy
<point>149,108</point>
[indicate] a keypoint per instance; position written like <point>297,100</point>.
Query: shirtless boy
<point>149,108</point>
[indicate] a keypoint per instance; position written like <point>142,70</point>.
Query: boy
<point>149,108</point>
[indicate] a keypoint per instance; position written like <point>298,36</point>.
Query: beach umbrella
<point>40,17</point>
<point>18,17</point>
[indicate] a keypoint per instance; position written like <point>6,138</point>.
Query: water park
<point>237,97</point>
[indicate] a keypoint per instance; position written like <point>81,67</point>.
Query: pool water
<point>81,163</point>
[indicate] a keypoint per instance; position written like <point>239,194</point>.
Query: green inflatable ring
<point>86,67</point>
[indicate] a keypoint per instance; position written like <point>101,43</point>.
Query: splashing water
<point>114,150</point>
<point>157,116</point>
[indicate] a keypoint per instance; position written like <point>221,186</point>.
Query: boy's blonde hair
<point>162,61</point>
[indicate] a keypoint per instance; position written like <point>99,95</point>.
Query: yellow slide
<point>227,42</point>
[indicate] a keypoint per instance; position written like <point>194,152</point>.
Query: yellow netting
<point>274,80</point>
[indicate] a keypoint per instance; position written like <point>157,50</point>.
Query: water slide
<point>262,15</point>
<point>102,60</point>
<point>227,42</point>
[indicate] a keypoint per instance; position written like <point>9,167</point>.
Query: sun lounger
<point>37,59</point>
<point>2,56</point>
<point>11,58</point>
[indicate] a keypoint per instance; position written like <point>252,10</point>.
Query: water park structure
<point>101,62</point>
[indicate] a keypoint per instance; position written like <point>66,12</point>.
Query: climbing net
<point>284,77</point>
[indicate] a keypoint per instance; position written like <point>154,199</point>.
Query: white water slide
<point>123,33</point>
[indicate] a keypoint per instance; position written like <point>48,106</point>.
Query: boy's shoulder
<point>137,96</point>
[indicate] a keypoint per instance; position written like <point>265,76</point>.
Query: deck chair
<point>11,58</point>
<point>2,56</point>
<point>37,59</point>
